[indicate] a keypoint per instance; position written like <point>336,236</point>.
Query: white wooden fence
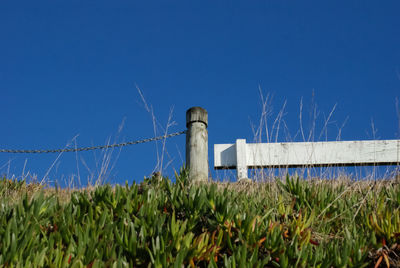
<point>304,154</point>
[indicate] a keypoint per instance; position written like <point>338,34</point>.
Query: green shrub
<point>294,223</point>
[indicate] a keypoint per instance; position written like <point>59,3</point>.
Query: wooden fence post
<point>197,144</point>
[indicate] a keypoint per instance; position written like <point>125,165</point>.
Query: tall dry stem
<point>398,116</point>
<point>159,128</point>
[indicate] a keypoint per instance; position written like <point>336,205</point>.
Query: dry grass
<point>14,191</point>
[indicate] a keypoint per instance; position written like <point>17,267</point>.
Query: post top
<point>196,114</point>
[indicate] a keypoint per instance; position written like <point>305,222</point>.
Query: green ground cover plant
<point>286,222</point>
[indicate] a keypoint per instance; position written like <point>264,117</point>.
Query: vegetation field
<point>289,222</point>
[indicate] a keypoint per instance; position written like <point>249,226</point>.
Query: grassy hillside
<point>282,223</point>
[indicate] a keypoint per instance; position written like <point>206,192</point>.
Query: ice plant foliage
<point>283,223</point>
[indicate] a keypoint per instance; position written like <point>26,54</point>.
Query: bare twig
<point>326,122</point>
<point>150,110</point>
<point>159,167</point>
<point>301,119</point>
<point>398,114</point>
<point>277,122</point>
<point>54,162</point>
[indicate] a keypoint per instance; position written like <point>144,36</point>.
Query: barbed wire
<point>93,147</point>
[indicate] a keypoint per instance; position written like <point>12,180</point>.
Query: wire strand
<point>93,147</point>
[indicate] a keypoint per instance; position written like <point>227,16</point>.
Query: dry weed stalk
<point>159,128</point>
<point>271,133</point>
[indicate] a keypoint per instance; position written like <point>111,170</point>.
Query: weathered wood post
<point>197,144</point>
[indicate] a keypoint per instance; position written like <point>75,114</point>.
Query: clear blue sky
<point>71,68</point>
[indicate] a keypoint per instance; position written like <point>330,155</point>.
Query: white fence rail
<point>304,154</point>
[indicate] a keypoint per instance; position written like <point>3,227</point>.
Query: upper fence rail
<point>242,156</point>
<point>92,147</point>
